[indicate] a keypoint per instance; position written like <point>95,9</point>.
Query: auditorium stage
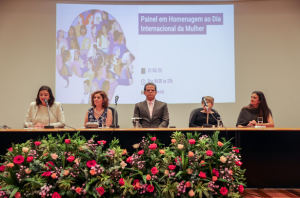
<point>270,155</point>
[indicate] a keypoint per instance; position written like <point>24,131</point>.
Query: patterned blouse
<point>92,118</point>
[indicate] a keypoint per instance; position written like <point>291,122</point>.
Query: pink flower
<point>209,153</point>
<point>37,143</point>
<point>49,167</point>
<point>235,150</point>
<point>238,163</point>
<point>192,141</point>
<point>91,163</point>
<point>47,174</point>
<point>56,195</point>
<point>29,159</point>
<point>17,195</point>
<point>215,172</point>
<point>67,141</point>
<point>71,158</point>
<point>2,168</point>
<point>100,190</point>
<point>141,152</point>
<point>150,188</point>
<point>129,159</point>
<point>153,146</point>
<point>121,182</point>
<point>202,175</point>
<point>153,139</point>
<point>10,149</point>
<point>172,167</point>
<point>223,191</point>
<point>18,159</point>
<point>102,142</point>
<point>154,170</point>
<point>241,188</point>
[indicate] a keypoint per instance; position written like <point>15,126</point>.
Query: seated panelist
<point>258,107</point>
<point>200,117</point>
<point>39,113</point>
<point>100,109</point>
<point>153,113</point>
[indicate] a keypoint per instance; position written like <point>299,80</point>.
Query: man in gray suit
<point>154,113</point>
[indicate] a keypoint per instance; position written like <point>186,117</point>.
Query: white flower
<point>25,149</point>
<point>123,164</point>
<point>223,159</point>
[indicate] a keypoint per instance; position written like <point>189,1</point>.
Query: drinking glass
<point>260,121</point>
<point>103,123</point>
<point>30,122</point>
<point>219,122</point>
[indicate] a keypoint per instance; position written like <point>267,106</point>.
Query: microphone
<point>205,103</point>
<point>48,127</point>
<point>46,101</point>
<point>116,99</point>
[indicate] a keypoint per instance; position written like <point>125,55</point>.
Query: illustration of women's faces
<point>95,87</point>
<point>97,18</point>
<point>115,50</point>
<point>76,55</point>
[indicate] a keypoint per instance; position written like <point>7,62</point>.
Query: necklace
<point>97,112</point>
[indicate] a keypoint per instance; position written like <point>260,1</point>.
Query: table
<point>270,155</point>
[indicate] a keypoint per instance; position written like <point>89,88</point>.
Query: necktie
<point>150,108</point>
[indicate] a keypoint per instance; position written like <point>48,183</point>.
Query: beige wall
<point>267,55</point>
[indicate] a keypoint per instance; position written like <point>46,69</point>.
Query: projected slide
<point>186,50</point>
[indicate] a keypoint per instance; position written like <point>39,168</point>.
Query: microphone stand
<point>114,125</point>
<point>48,127</point>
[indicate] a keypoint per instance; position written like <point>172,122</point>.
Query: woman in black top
<point>258,107</point>
<point>199,118</point>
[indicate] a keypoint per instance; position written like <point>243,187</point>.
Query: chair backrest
<point>113,115</point>
<point>197,110</point>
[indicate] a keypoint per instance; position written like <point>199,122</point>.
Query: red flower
<point>141,152</point>
<point>100,190</point>
<point>202,175</point>
<point>223,191</point>
<point>18,159</point>
<point>67,141</point>
<point>238,163</point>
<point>241,188</point>
<point>29,159</point>
<point>135,181</point>
<point>10,149</point>
<point>71,158</point>
<point>129,159</point>
<point>150,188</point>
<point>153,139</point>
<point>56,195</point>
<point>209,153</point>
<point>2,168</point>
<point>121,182</point>
<point>235,150</point>
<point>91,163</point>
<point>49,167</point>
<point>172,167</point>
<point>192,141</point>
<point>215,172</point>
<point>47,174</point>
<point>37,143</point>
<point>152,146</point>
<point>154,170</point>
<point>102,142</point>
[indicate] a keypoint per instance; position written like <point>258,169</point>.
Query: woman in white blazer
<point>39,113</point>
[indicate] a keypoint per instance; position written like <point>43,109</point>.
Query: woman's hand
<point>38,125</point>
<point>252,123</point>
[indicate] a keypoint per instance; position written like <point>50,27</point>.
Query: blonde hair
<point>209,99</point>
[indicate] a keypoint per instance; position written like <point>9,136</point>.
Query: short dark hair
<point>104,97</point>
<point>51,99</point>
<point>149,84</point>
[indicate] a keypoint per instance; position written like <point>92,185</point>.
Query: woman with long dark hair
<point>258,107</point>
<point>39,113</point>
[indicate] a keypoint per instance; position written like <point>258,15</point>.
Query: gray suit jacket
<point>160,114</point>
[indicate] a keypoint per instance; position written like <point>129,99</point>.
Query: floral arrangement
<point>64,166</point>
